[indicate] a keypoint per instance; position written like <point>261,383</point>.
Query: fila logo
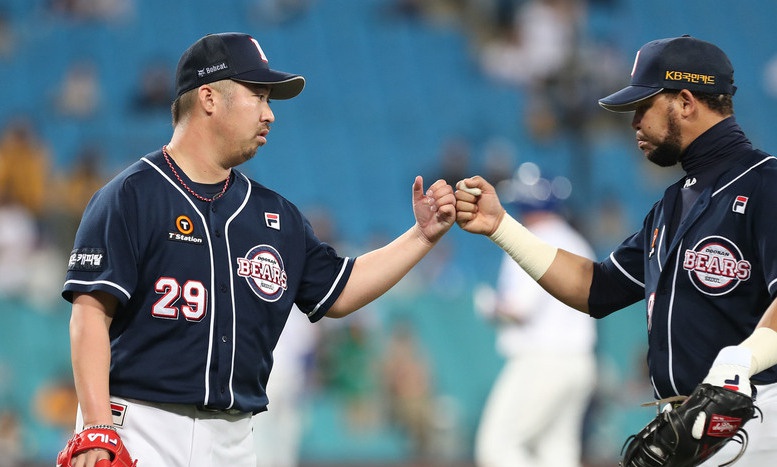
<point>104,438</point>
<point>118,411</point>
<point>739,204</point>
<point>689,182</point>
<point>272,220</point>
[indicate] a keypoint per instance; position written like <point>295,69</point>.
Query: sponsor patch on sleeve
<point>86,259</point>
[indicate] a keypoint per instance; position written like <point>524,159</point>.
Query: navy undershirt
<point>704,161</point>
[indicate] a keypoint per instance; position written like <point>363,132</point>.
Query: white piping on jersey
<point>658,393</point>
<point>331,289</point>
<point>658,253</point>
<point>669,319</point>
<point>212,276</point>
<point>112,284</point>
<point>769,287</point>
<point>232,288</point>
<point>629,276</point>
<point>765,159</point>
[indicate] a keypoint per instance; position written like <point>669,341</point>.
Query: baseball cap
<point>674,63</point>
<point>234,56</point>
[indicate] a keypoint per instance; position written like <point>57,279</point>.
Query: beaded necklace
<point>180,180</point>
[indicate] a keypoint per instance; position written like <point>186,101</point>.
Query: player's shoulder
<point>761,166</point>
<point>266,194</point>
<point>134,172</point>
<point>755,176</point>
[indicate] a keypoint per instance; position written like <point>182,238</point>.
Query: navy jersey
<point>706,286</point>
<point>204,288</point>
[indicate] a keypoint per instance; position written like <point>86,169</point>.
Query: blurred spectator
<point>82,181</point>
<point>499,160</point>
<point>7,38</point>
<point>407,382</point>
<point>453,161</point>
<point>24,166</point>
<point>278,11</point>
<point>279,430</point>
<point>346,362</point>
<point>770,77</point>
<point>55,404</point>
<point>79,92</point>
<point>92,9</point>
<point>18,239</point>
<point>542,37</point>
<point>74,188</point>
<point>534,413</point>
<point>10,439</point>
<point>154,89</point>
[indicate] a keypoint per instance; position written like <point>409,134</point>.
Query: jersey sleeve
<point>324,277</point>
<point>618,281</point>
<point>105,250</point>
<point>764,223</point>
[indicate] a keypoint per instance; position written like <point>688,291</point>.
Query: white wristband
<point>529,251</point>
<point>762,343</point>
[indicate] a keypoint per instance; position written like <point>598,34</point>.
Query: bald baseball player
<point>184,272</point>
<point>705,259</point>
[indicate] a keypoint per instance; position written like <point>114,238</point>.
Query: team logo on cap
<point>262,267</point>
<point>716,266</point>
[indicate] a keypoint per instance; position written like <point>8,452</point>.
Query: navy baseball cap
<point>234,56</point>
<point>674,63</point>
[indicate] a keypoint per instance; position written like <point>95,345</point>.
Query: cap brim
<point>282,85</point>
<point>627,98</point>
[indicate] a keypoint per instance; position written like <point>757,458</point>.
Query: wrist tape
<point>529,251</point>
<point>763,345</point>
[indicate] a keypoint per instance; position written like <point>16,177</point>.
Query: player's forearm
<point>564,275</point>
<point>762,344</point>
<point>374,273</point>
<point>90,355</point>
<point>569,279</point>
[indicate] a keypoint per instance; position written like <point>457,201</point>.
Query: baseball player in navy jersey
<point>184,272</point>
<point>705,259</point>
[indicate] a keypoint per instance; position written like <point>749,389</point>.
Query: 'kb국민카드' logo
<point>263,269</point>
<point>716,266</point>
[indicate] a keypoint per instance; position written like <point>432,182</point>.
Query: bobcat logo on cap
<point>716,266</point>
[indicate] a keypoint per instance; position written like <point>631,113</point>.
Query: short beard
<point>668,152</point>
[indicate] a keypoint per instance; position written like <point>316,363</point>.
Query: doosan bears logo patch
<point>263,269</point>
<point>716,266</point>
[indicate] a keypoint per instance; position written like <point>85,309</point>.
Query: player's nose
<point>267,115</point>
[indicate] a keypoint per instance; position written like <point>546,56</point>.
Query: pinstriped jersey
<point>707,285</point>
<point>204,288</point>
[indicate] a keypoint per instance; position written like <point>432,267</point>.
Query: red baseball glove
<point>92,438</point>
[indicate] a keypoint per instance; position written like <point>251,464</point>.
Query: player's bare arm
<point>376,272</point>
<point>91,353</point>
<point>563,274</point>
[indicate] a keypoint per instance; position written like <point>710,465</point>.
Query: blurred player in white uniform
<point>534,414</point>
<point>278,432</point>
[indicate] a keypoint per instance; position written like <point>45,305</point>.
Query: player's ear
<point>687,102</point>
<point>206,97</point>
